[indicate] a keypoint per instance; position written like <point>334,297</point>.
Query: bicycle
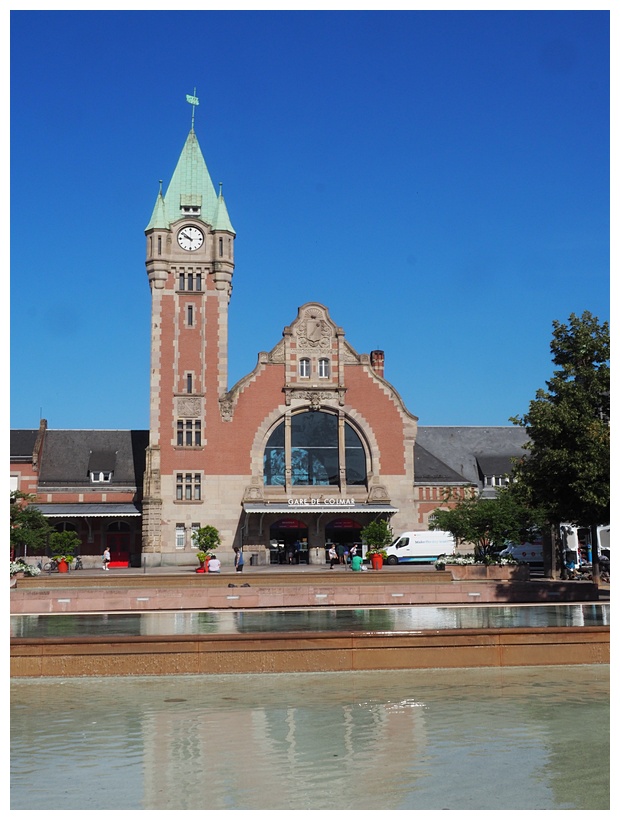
<point>78,563</point>
<point>51,566</point>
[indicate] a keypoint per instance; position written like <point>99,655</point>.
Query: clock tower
<point>190,263</point>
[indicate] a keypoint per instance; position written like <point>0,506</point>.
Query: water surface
<point>383,619</point>
<point>526,738</point>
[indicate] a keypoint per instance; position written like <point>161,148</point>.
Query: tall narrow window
<point>159,245</point>
<point>197,487</point>
<point>189,383</point>
<point>304,368</point>
<point>180,536</point>
<point>179,487</point>
<point>179,433</point>
<point>190,281</point>
<point>195,528</point>
<point>181,281</point>
<point>188,487</point>
<point>323,368</point>
<point>221,243</point>
<point>190,315</point>
<point>199,281</point>
<point>197,434</point>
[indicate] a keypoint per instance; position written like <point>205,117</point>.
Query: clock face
<point>190,238</point>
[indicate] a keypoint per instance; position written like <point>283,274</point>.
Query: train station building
<point>307,449</point>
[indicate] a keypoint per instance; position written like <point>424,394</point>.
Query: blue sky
<point>439,180</point>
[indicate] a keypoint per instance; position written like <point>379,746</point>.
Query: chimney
<point>377,361</point>
<point>38,445</point>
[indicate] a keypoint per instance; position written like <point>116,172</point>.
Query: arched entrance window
<point>310,444</point>
<point>288,541</point>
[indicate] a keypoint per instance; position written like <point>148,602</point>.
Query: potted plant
<point>22,569</point>
<point>377,535</point>
<point>470,568</point>
<point>207,539</point>
<point>63,546</point>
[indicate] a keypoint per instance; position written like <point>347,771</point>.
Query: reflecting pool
<point>387,619</point>
<point>526,738</point>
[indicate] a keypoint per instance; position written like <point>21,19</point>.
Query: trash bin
<point>254,559</point>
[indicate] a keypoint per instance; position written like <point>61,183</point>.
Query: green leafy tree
<point>377,535</point>
<point>207,539</point>
<point>64,544</point>
<point>565,470</point>
<point>29,527</point>
<point>486,523</point>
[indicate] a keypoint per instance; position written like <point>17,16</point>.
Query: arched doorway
<point>288,541</point>
<point>118,541</point>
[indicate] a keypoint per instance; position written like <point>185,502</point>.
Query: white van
<point>528,552</point>
<point>420,547</point>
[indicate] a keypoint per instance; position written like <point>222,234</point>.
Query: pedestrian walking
<point>105,559</point>
<point>238,559</point>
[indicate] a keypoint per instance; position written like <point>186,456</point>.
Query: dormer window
<point>101,465</point>
<point>191,204</point>
<point>99,476</point>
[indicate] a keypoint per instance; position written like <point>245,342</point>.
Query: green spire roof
<point>222,220</point>
<point>190,186</point>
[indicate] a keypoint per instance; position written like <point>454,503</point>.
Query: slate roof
<point>462,449</point>
<point>67,454</point>
<point>428,469</point>
<point>442,455</point>
<point>22,443</point>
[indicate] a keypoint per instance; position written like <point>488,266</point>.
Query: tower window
<point>198,281</point>
<point>189,433</point>
<point>221,244</point>
<point>190,281</point>
<point>181,281</point>
<point>189,383</point>
<point>190,315</point>
<point>304,368</point>
<point>159,245</point>
<point>323,368</point>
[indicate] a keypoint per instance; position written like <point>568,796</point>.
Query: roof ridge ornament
<point>193,101</point>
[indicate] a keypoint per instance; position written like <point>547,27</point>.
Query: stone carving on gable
<point>188,408</point>
<point>313,331</point>
<point>315,398</point>
<point>350,356</point>
<point>226,408</point>
<point>277,354</point>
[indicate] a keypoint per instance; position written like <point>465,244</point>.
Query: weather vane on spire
<point>193,101</point>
